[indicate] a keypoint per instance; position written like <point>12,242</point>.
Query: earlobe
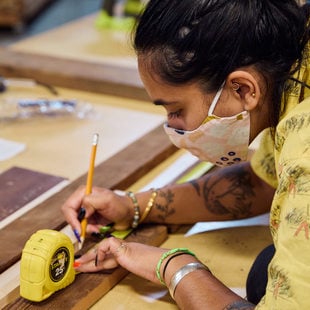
<point>245,86</point>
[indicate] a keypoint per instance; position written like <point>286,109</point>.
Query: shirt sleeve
<point>289,271</point>
<point>263,162</point>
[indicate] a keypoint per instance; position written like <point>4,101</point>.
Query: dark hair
<point>206,40</point>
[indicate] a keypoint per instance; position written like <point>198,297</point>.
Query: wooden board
<point>87,289</point>
<point>106,78</point>
<point>120,171</point>
<point>19,180</point>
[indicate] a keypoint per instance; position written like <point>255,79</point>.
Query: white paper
<point>172,172</point>
<point>9,149</point>
<point>260,220</point>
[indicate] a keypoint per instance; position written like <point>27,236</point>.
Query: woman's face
<point>187,106</point>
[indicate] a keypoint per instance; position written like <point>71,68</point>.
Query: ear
<point>244,86</point>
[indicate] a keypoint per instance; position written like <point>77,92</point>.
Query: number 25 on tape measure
<point>46,264</point>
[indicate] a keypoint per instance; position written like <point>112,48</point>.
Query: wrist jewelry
<point>149,205</point>
<point>182,272</point>
<point>165,255</point>
<point>168,261</point>
<point>136,215</point>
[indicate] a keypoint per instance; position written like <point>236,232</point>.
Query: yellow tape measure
<point>46,264</point>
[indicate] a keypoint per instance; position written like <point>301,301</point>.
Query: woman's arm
<point>225,194</point>
<point>198,289</point>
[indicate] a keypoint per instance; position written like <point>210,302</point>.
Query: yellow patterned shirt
<point>285,164</point>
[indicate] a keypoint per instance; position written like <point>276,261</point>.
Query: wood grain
<point>118,172</point>
<point>97,77</point>
<point>89,288</point>
<point>18,186</point>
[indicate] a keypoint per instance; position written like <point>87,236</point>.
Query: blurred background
<point>23,18</point>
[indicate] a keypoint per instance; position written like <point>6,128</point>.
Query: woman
<point>225,71</point>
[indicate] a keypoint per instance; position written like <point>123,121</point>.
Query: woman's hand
<point>111,252</point>
<point>102,207</point>
<point>197,290</point>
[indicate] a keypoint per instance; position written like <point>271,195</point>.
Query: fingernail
<point>76,264</point>
<point>77,235</point>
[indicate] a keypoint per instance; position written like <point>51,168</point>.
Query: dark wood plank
<point>19,186</point>
<point>89,76</point>
<point>118,172</point>
<point>87,289</point>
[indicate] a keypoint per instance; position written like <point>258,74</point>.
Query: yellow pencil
<point>89,184</point>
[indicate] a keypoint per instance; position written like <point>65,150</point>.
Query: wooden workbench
<point>57,146</point>
<point>96,60</point>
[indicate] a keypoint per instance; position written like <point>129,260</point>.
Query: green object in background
<point>110,22</point>
<point>133,7</point>
<point>121,234</point>
<point>129,9</point>
<point>197,171</point>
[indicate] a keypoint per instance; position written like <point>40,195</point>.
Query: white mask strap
<point>215,100</point>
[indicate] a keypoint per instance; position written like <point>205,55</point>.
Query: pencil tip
<point>81,243</point>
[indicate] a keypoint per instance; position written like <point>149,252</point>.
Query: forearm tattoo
<point>164,207</point>
<point>240,305</point>
<point>229,192</point>
<point>196,186</point>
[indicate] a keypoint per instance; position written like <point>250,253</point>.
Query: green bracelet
<point>165,255</point>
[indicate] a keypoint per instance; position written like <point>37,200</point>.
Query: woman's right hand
<point>102,207</point>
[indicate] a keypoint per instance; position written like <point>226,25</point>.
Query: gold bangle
<point>136,215</point>
<point>149,205</point>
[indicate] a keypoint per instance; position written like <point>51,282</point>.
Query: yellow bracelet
<point>149,206</point>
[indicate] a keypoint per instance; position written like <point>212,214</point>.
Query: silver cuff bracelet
<point>181,273</point>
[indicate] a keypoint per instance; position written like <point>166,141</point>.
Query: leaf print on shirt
<point>275,220</point>
<point>292,125</point>
<point>279,141</point>
<point>297,122</point>
<point>280,283</point>
<point>299,220</point>
<point>268,165</point>
<point>293,181</point>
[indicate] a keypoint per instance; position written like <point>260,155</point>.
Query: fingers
<point>104,256</point>
<point>137,258</point>
<point>72,206</point>
<point>102,207</point>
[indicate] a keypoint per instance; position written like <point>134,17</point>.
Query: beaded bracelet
<point>136,216</point>
<point>182,272</point>
<point>149,205</point>
<point>165,255</point>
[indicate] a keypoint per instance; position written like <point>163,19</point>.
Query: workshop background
<point>23,18</point>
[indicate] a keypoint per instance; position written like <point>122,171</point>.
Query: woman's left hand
<point>111,252</point>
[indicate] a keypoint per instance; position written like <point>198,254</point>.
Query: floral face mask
<point>220,140</point>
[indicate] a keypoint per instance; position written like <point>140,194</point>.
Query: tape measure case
<point>46,264</point>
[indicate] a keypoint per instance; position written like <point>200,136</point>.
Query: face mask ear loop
<point>215,100</point>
